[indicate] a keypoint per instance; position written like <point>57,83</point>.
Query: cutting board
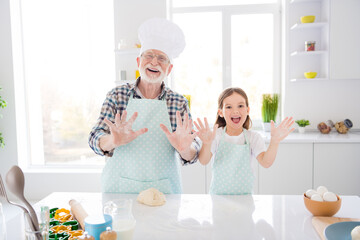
<point>320,223</point>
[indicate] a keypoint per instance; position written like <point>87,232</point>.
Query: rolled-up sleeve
<point>108,110</point>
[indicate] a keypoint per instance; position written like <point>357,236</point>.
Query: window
<point>68,64</point>
<point>227,46</point>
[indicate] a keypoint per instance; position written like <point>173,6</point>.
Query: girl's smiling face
<point>235,112</point>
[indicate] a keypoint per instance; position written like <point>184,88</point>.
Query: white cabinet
<point>344,39</point>
<point>291,173</point>
<point>337,167</point>
<point>297,168</point>
<point>194,178</point>
<point>301,61</point>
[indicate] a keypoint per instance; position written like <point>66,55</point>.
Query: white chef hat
<point>163,35</point>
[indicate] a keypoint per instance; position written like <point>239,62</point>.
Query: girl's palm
<point>204,132</point>
<point>283,130</point>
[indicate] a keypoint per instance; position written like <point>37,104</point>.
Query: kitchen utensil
<point>321,223</point>
<point>4,195</point>
<point>307,19</point>
<point>123,221</point>
<point>16,182</point>
<point>78,211</point>
<point>322,208</point>
<point>30,232</point>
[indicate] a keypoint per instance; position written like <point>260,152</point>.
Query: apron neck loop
<point>244,131</point>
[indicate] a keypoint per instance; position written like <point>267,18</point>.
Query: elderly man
<point>142,149</point>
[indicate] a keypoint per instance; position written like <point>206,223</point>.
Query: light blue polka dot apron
<point>231,169</point>
<point>149,160</point>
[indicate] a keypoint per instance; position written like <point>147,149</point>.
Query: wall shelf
<point>122,82</point>
<point>304,1</point>
<point>299,26</point>
<point>308,79</point>
<point>308,53</point>
<point>300,60</point>
<point>127,51</point>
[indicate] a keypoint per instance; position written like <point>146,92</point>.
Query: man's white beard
<point>159,79</point>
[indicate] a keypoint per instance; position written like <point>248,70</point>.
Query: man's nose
<point>154,61</point>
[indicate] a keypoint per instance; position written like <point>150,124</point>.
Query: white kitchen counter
<point>313,136</point>
<point>203,216</point>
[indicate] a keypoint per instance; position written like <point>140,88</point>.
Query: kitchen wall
<point>335,98</point>
<point>317,101</point>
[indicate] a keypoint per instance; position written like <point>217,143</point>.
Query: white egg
<point>317,197</point>
<point>321,190</point>
<point>310,192</point>
<point>355,233</point>
<point>330,197</point>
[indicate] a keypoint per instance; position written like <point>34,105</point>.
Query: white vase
<point>267,126</point>
<point>301,129</point>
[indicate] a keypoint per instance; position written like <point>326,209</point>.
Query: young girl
<point>232,146</point>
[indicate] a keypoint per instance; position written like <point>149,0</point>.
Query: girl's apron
<point>231,169</point>
<point>149,160</point>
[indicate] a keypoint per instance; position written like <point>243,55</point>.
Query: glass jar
<point>2,224</point>
<point>123,221</point>
<point>309,46</point>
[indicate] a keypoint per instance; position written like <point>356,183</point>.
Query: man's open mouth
<point>154,70</point>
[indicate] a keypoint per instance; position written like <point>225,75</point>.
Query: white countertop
<point>313,136</point>
<point>203,216</point>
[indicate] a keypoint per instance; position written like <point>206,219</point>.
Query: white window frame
<point>227,12</point>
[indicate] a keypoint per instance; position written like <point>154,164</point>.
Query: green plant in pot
<point>302,123</point>
<point>270,104</point>
<point>2,105</point>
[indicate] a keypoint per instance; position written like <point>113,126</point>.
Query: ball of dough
<point>317,197</point>
<point>355,233</point>
<point>321,190</point>
<point>310,192</point>
<point>330,197</point>
<point>151,197</point>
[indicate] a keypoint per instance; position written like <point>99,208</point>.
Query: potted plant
<point>270,103</point>
<point>302,123</point>
<point>2,105</point>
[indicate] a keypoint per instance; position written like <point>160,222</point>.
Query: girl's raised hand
<point>204,132</point>
<point>282,131</point>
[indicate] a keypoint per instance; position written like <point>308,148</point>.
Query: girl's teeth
<point>235,120</point>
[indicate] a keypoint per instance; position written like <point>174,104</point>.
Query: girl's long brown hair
<point>226,93</point>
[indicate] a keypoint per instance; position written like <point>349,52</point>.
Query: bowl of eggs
<point>321,202</point>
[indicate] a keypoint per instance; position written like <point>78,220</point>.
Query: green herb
<point>302,122</point>
<point>269,107</point>
<point>2,105</point>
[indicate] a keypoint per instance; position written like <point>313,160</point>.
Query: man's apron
<point>149,160</point>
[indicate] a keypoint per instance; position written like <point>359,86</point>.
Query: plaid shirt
<point>117,99</point>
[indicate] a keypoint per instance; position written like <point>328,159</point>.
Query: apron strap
<point>244,131</point>
<point>132,95</point>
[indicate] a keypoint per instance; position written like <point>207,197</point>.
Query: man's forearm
<point>106,143</point>
<point>188,154</point>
